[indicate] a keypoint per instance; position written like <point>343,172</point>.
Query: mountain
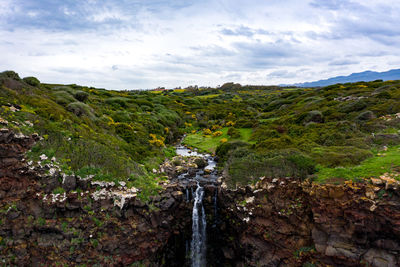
<point>365,76</point>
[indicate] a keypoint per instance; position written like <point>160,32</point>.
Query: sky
<point>142,44</point>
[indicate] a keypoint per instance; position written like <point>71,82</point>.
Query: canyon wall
<point>284,222</point>
<point>277,222</point>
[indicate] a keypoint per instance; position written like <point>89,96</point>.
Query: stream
<point>207,175</point>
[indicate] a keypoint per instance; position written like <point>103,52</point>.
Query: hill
<point>255,130</point>
<point>365,76</point>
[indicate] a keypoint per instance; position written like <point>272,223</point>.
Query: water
<point>199,225</point>
<point>198,243</point>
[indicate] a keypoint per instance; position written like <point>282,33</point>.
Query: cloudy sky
<point>133,44</point>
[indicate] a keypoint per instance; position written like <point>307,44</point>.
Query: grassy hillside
<point>339,131</point>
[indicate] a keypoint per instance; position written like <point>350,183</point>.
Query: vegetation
<point>338,131</point>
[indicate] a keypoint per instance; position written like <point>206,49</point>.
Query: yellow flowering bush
<point>207,132</point>
<point>217,133</point>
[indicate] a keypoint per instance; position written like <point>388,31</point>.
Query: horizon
<point>127,45</point>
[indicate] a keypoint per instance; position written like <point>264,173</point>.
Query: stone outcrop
<point>285,222</point>
<point>44,228</point>
<point>277,222</point>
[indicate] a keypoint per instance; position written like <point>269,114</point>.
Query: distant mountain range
<point>365,76</point>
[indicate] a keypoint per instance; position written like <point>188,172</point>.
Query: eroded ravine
<point>276,222</point>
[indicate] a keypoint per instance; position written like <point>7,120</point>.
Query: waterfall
<point>187,195</point>
<point>215,208</point>
<point>199,224</point>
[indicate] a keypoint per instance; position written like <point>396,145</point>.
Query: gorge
<point>276,222</point>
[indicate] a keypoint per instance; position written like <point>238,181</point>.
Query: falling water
<point>187,195</point>
<point>215,208</point>
<point>198,245</point>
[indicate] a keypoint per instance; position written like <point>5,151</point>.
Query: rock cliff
<point>284,222</point>
<point>89,226</point>
<point>277,222</point>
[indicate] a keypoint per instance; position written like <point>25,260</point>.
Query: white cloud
<point>178,43</point>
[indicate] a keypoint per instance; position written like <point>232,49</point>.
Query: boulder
<point>69,182</point>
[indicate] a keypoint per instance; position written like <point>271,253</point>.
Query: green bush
<point>31,81</point>
<point>366,115</point>
<point>122,116</point>
<point>10,74</point>
<point>233,132</point>
<point>80,109</point>
<point>245,168</point>
<point>81,96</point>
<point>335,156</point>
<point>281,142</point>
<point>63,97</point>
<point>223,149</point>
<point>117,102</point>
<point>353,106</point>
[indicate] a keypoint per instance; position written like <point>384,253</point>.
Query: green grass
<point>382,162</point>
<point>210,143</point>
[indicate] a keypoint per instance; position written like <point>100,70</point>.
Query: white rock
<point>250,199</point>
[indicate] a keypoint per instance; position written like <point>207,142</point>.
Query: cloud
<point>342,62</point>
<point>143,44</point>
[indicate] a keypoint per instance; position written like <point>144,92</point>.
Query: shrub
<point>63,97</point>
<point>207,132</point>
<point>244,167</point>
<point>353,106</point>
<point>64,88</point>
<point>117,102</point>
<point>314,116</point>
<point>386,139</point>
<point>81,96</point>
<point>10,74</point>
<point>122,116</point>
<point>281,142</point>
<point>335,156</point>
<point>233,132</point>
<point>31,81</point>
<point>217,133</point>
<point>366,115</point>
<point>80,109</point>
<point>223,149</point>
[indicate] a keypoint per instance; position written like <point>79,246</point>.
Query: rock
<point>373,207</point>
<point>167,203</point>
<point>177,195</point>
<point>69,182</point>
<point>376,181</point>
<point>336,192</point>
<point>387,244</point>
<point>380,258</point>
<point>320,239</point>
<point>228,253</point>
<point>200,162</point>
